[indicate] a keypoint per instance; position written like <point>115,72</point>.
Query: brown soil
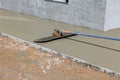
<point>18,61</point>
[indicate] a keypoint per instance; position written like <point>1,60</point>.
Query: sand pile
<point>20,61</point>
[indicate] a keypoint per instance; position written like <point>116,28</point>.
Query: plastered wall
<point>93,14</point>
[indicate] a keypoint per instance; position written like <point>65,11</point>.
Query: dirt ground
<point>19,61</point>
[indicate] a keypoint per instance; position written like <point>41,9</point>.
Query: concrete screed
<point>101,52</point>
<point>96,14</point>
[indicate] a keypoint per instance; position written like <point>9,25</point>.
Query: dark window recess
<point>59,1</point>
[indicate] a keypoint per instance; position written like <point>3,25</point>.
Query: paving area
<point>104,53</point>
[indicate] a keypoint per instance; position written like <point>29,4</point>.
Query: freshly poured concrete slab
<point>104,53</point>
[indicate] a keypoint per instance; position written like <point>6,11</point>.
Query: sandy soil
<point>19,61</point>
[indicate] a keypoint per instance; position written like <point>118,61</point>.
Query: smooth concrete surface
<point>104,53</point>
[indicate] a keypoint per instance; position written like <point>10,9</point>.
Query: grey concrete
<point>88,13</point>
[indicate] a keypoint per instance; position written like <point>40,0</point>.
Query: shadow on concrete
<point>94,44</point>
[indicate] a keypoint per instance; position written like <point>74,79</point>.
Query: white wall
<point>112,17</point>
<point>85,13</point>
<point>95,14</point>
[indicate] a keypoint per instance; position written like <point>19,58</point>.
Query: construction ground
<point>104,53</point>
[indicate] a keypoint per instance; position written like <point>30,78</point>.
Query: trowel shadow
<point>94,44</point>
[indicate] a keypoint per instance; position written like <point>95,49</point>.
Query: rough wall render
<point>112,17</point>
<point>85,13</point>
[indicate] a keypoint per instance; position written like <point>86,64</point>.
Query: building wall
<point>112,17</point>
<point>85,13</point>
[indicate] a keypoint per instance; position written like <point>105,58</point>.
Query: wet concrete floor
<point>104,53</point>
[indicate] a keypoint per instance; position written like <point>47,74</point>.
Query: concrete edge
<point>81,62</point>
